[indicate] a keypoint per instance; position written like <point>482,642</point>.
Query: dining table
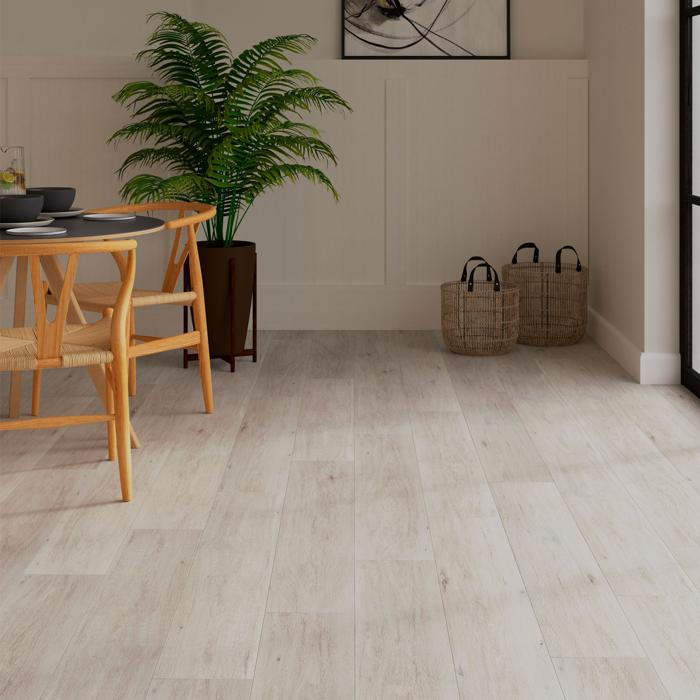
<point>78,230</point>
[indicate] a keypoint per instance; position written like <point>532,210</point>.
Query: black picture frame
<point>409,57</point>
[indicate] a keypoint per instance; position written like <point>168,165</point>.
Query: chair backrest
<point>50,333</point>
<point>180,252</point>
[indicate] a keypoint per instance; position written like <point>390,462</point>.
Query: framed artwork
<point>464,29</point>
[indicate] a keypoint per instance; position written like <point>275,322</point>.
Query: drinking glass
<point>12,178</point>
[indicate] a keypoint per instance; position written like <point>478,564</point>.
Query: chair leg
<point>204,359</point>
<point>200,319</point>
<point>109,405</point>
<point>120,372</point>
<point>132,361</point>
<point>36,392</point>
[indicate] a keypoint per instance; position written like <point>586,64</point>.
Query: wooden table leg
<point>19,320</point>
<point>54,275</point>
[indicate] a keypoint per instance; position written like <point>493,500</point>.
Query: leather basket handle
<point>557,265</point>
<point>465,272</point>
<point>496,283</point>
<point>526,246</point>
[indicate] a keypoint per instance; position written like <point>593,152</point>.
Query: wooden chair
<point>54,344</point>
<point>101,296</point>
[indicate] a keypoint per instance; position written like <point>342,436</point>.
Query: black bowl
<point>55,198</point>
<point>16,208</point>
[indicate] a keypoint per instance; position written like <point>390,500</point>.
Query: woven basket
<point>553,298</point>
<point>480,317</point>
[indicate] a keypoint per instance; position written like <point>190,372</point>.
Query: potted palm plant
<point>226,129</point>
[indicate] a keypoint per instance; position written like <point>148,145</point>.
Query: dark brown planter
<point>229,275</point>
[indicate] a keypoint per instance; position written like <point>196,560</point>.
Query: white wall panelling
<point>439,161</point>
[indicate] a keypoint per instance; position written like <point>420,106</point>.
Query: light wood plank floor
<point>365,516</point>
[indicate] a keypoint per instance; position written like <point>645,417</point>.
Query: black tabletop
<point>85,230</point>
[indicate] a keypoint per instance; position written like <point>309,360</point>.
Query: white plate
<point>109,217</point>
<point>43,220</point>
<point>65,214</point>
<point>36,232</point>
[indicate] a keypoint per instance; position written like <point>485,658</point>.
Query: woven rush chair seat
<point>83,346</point>
<point>97,296</point>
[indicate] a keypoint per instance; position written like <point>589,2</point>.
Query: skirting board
<point>643,367</point>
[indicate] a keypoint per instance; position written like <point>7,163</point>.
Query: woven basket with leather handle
<point>480,317</point>
<point>553,298</point>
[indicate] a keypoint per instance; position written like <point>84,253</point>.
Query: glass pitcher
<point>12,173</point>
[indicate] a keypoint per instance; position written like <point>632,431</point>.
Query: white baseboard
<point>615,343</point>
<point>660,368</point>
<point>643,367</point>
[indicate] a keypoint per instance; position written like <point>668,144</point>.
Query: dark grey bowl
<point>55,198</point>
<point>18,208</point>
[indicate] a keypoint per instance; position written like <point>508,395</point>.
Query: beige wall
<point>632,49</point>
<point>422,188</point>
<point>440,160</point>
<point>661,244</point>
<point>615,50</point>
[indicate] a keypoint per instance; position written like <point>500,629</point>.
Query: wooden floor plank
<point>325,421</point>
<point>402,646</point>
<point>216,627</point>
<point>557,433</point>
<point>314,565</point>
<point>632,556</point>
<point>38,619</point>
<point>618,679</point>
<point>390,513</point>
<point>116,651</point>
<point>577,611</point>
<point>505,448</point>
<point>671,506</point>
<point>226,577</point>
<point>496,641</point>
<point>188,482</point>
<point>306,657</point>
<point>183,689</point>
<point>425,378</point>
<point>381,406</point>
<point>669,629</point>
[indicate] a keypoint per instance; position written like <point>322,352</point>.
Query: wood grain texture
<point>306,657</point>
<point>216,627</point>
<point>314,565</point>
<point>389,509</point>
<point>454,592</point>
<point>621,679</point>
<point>188,482</point>
<point>669,629</point>
<point>496,640</point>
<point>116,651</point>
<point>505,448</point>
<point>577,611</point>
<point>632,556</point>
<point>671,506</point>
<point>325,421</point>
<point>557,432</point>
<point>38,618</point>
<point>425,378</point>
<point>400,601</point>
<point>183,689</point>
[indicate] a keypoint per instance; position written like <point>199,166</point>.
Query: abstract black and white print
<point>426,28</point>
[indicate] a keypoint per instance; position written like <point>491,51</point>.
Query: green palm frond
<point>225,128</point>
